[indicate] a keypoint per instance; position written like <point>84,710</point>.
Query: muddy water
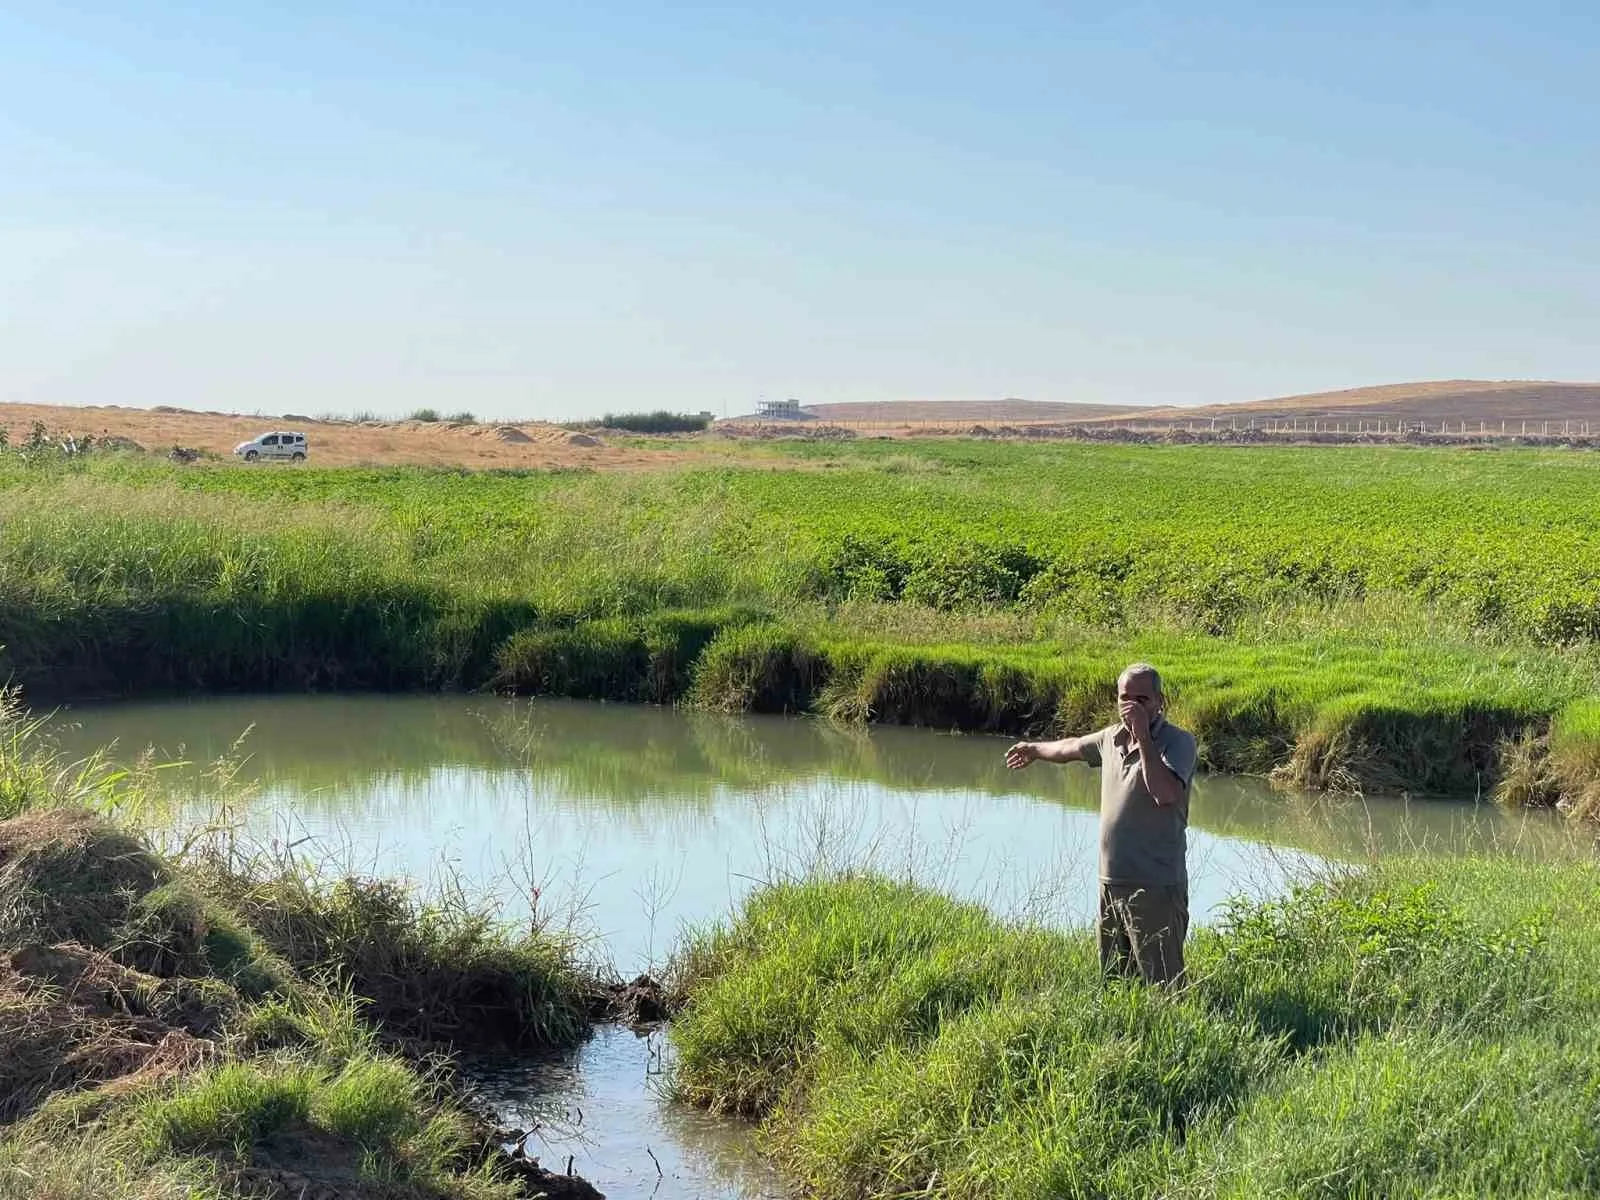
<point>632,823</point>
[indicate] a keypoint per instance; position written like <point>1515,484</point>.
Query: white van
<point>273,445</point>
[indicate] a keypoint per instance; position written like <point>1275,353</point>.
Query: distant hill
<point>1430,401</point>
<point>956,412</point>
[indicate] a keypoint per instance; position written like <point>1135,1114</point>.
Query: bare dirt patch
<point>345,443</point>
<point>73,1018</point>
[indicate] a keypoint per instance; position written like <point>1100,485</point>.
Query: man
<point>1146,764</point>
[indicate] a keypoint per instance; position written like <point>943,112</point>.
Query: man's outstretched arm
<point>1064,751</point>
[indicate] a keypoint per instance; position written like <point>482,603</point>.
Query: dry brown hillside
<point>343,443</point>
<point>1432,401</point>
<point>1429,401</point>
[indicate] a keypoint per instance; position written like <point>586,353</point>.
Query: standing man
<point>1146,764</point>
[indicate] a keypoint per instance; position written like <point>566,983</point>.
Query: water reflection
<point>656,800</point>
<point>641,820</point>
<point>600,1110</point>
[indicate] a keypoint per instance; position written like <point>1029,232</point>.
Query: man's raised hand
<point>1136,718</point>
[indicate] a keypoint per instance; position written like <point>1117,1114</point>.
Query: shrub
<point>970,576</point>
<point>660,421</point>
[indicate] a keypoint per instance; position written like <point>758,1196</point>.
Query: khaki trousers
<point>1142,928</point>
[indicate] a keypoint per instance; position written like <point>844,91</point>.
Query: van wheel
<point>298,456</point>
<point>251,456</point>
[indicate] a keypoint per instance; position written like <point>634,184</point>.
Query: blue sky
<point>548,210</point>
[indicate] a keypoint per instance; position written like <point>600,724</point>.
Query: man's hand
<point>1136,719</point>
<point>1021,754</point>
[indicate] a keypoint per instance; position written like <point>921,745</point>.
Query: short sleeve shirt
<point>1141,842</point>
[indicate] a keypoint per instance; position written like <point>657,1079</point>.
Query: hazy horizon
<point>538,211</point>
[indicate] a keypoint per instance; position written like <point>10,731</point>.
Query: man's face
<point>1140,690</point>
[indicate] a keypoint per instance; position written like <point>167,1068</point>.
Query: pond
<point>630,824</point>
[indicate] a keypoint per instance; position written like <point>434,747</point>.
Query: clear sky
<point>558,210</point>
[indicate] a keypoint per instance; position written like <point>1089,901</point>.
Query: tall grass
<point>1369,1034</point>
<point>443,971</point>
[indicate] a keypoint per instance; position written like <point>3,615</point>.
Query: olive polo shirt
<point>1140,841</point>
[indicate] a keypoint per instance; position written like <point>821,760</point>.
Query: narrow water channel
<point>632,824</point>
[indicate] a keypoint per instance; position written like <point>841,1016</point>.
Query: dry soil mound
<point>71,1017</point>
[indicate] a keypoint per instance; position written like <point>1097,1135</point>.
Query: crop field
<point>1350,617</point>
<point>1503,542</point>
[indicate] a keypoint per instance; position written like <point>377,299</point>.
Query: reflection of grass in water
<point>1359,829</point>
<point>409,750</point>
<point>658,755</point>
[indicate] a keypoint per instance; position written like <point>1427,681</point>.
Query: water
<point>632,824</point>
<point>602,1107</point>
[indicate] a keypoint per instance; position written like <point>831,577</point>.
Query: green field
<point>1354,617</point>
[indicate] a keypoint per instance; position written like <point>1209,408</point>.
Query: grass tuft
<point>444,971</point>
<point>228,1109</point>
<point>758,668</point>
